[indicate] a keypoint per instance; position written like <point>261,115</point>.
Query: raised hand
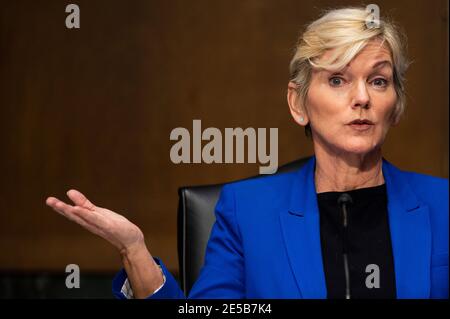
<point>103,222</point>
<point>144,274</point>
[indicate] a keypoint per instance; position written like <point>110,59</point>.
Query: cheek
<point>387,108</point>
<point>323,105</point>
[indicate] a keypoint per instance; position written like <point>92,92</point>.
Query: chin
<point>359,147</point>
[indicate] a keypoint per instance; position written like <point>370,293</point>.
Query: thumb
<point>79,199</point>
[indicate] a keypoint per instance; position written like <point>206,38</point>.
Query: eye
<point>336,81</point>
<point>380,82</point>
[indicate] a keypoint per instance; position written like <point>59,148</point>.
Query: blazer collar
<point>301,232</point>
<point>303,189</point>
<point>409,226</point>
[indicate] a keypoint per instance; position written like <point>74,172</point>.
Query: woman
<point>346,225</point>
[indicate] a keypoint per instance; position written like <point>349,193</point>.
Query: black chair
<point>195,219</point>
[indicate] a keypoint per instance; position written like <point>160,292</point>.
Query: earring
<point>302,119</point>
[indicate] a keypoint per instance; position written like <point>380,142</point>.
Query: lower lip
<point>361,127</point>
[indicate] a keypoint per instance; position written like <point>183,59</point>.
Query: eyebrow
<point>376,65</point>
<point>380,64</point>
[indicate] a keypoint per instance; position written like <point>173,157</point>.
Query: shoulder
<point>432,192</point>
<point>428,187</point>
<point>261,195</point>
<point>264,184</point>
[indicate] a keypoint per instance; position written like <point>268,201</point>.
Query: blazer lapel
<point>409,226</point>
<point>301,232</point>
<point>410,235</point>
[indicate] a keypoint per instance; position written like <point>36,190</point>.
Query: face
<point>363,90</point>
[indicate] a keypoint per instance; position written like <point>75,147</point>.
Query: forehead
<point>374,51</point>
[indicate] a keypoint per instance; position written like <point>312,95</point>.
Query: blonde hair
<point>347,31</point>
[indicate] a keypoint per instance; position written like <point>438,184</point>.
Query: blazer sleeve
<point>222,275</point>
<point>170,289</point>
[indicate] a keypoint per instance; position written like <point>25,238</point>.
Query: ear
<point>395,122</point>
<point>295,105</point>
<point>395,119</point>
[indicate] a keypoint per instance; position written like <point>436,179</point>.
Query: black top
<point>366,241</point>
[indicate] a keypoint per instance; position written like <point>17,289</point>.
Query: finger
<point>50,201</point>
<point>53,202</point>
<point>73,217</point>
<point>79,199</point>
<point>91,217</point>
<point>59,206</point>
<point>80,221</point>
<point>72,213</point>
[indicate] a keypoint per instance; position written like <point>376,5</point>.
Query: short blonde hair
<point>347,31</point>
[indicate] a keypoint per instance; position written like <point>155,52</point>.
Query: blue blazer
<point>265,242</point>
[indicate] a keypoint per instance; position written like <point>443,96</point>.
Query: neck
<point>339,172</point>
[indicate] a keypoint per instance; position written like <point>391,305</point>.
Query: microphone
<point>344,198</point>
<point>343,201</point>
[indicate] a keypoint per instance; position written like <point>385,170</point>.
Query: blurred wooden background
<point>93,108</point>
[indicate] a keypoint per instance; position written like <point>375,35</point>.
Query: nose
<point>361,97</point>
